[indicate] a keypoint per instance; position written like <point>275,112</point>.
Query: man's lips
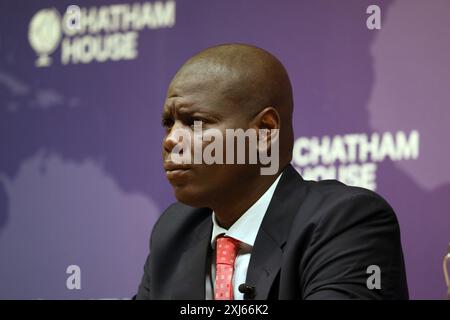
<point>171,166</point>
<point>176,172</point>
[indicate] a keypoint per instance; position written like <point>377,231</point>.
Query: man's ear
<point>269,120</point>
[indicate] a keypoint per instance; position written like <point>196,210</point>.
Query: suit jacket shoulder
<point>341,235</point>
<point>177,231</point>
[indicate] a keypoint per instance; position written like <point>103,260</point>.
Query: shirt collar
<point>246,227</point>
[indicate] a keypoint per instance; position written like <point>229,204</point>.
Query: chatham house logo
<point>95,34</point>
<point>44,35</point>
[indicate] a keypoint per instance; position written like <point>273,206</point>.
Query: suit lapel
<point>265,262</point>
<point>267,254</point>
<point>189,280</point>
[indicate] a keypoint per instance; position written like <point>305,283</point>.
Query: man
<point>238,234</point>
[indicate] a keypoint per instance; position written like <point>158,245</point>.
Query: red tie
<point>226,251</point>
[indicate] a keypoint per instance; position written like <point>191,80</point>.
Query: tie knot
<point>227,249</point>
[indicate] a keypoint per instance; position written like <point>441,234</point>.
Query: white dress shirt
<point>245,230</point>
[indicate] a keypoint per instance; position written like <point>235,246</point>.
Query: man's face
<point>194,97</point>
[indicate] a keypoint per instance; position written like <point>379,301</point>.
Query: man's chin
<point>189,197</point>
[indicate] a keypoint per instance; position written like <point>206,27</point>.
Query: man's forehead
<point>204,102</point>
<point>187,85</point>
<point>193,90</point>
<point>202,75</point>
<point>202,85</point>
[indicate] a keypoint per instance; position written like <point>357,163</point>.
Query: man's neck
<point>239,201</point>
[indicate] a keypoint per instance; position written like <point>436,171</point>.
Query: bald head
<point>247,77</point>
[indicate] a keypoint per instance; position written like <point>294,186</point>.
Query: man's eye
<point>167,123</point>
<point>192,121</point>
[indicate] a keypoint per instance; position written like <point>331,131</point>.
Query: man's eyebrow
<point>183,108</point>
<point>198,111</point>
<point>171,110</point>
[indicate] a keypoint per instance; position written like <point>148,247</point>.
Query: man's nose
<point>172,139</point>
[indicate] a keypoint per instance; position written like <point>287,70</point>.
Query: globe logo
<point>44,34</point>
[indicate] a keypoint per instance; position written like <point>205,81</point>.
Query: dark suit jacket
<point>315,242</point>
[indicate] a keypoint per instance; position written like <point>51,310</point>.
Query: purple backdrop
<point>81,181</point>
